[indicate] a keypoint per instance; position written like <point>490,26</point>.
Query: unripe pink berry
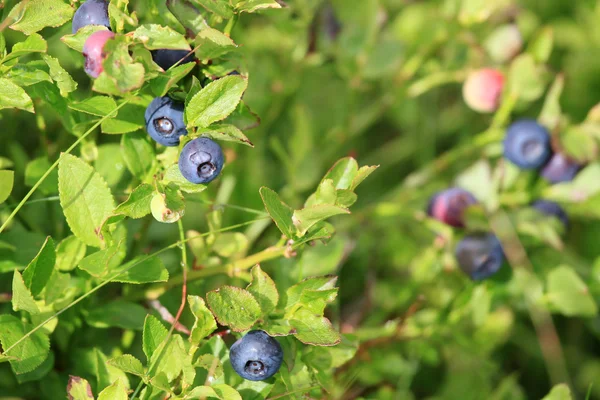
<point>93,52</point>
<point>483,89</point>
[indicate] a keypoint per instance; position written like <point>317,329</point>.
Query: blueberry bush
<point>299,199</point>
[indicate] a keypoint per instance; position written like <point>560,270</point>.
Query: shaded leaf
<point>38,272</point>
<point>22,300</point>
<point>280,212</point>
<point>30,352</point>
<point>204,322</point>
<point>264,290</point>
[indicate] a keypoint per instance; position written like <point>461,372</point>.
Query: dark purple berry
<point>527,144</point>
<point>560,169</point>
<point>256,356</point>
<point>551,209</point>
<point>449,206</point>
<point>201,160</point>
<point>164,121</point>
<point>480,255</point>
<point>92,12</point>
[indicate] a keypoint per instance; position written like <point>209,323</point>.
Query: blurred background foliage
<point>381,80</point>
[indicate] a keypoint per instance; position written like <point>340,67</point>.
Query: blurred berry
<point>551,209</point>
<point>449,206</point>
<point>482,90</point>
<point>92,12</point>
<point>93,51</point>
<point>480,255</point>
<point>527,144</point>
<point>560,169</point>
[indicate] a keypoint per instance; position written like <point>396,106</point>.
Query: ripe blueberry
<point>560,169</point>
<point>93,52</point>
<point>166,58</point>
<point>256,356</point>
<point>449,206</point>
<point>201,160</point>
<point>527,144</point>
<point>92,12</point>
<point>551,209</point>
<point>483,89</point>
<point>479,255</point>
<point>164,121</point>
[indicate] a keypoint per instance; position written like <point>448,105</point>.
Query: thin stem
<point>109,280</point>
<point>39,182</point>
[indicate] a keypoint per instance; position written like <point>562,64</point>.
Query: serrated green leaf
<point>7,180</point>
<point>153,335</point>
<point>39,270</point>
<point>156,37</point>
<point>313,329</point>
<point>234,307</point>
<point>222,8</point>
<point>173,175</point>
<point>116,391</point>
<point>362,174</point>
<point>69,252</point>
<point>63,80</point>
<point>343,173</point>
<point>79,389</point>
<point>164,82</point>
<point>568,294</point>
<point>280,212</point>
<point>99,263</point>
<point>119,313</point>
<point>174,359</point>
<point>264,290</point>
<point>316,300</point>
<point>211,43</point>
<point>32,44</point>
<point>204,322</point>
<point>187,14</point>
<point>27,74</point>
<point>85,199</point>
<point>77,40</point>
<point>13,96</point>
<point>215,101</point>
<point>202,392</point>
<point>139,154</point>
<point>251,6</point>
<point>294,293</point>
<point>226,392</point>
<point>22,300</point>
<point>34,15</point>
<point>227,133</point>
<point>137,204</point>
<point>30,352</point>
<point>96,105</point>
<point>128,363</point>
<point>307,217</point>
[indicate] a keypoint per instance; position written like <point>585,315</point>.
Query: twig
<point>168,317</point>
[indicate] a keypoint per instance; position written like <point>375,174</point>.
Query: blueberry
<point>527,144</point>
<point>256,356</point>
<point>480,255</point>
<point>449,206</point>
<point>560,169</point>
<point>482,90</point>
<point>164,121</point>
<point>166,58</point>
<point>551,209</point>
<point>93,52</point>
<point>92,12</point>
<point>201,160</point>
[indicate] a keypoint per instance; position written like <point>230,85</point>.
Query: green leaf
<point>174,360</point>
<point>99,263</point>
<point>187,14</point>
<point>22,300</point>
<point>568,294</point>
<point>36,168</point>
<point>227,133</point>
<point>129,119</point>
<point>226,392</point>
<point>138,203</point>
<point>525,79</point>
<point>230,244</point>
<point>34,15</point>
<point>234,307</point>
<point>79,389</point>
<point>551,112</point>
<point>313,329</point>
<point>305,218</point>
<point>119,66</point>
<point>211,43</point>
<point>85,199</point>
<point>541,46</point>
<point>7,180</point>
<point>28,74</point>
<point>164,82</point>
<point>173,175</point>
<point>13,96</point>
<point>128,363</point>
<point>204,322</point>
<point>39,270</point>
<point>559,392</point>
<point>32,44</point>
<point>156,37</point>
<point>168,206</point>
<point>215,101</point>
<point>141,269</point>
<point>294,293</point>
<point>202,392</point>
<point>153,335</point>
<point>63,80</point>
<point>222,8</point>
<point>280,212</point>
<point>77,40</point>
<point>116,391</point>
<point>30,352</point>
<point>251,6</point>
<point>96,105</point>
<point>343,173</point>
<point>243,117</point>
<point>362,174</point>
<point>119,313</point>
<point>579,144</point>
<point>211,363</point>
<point>316,300</point>
<point>69,252</point>
<point>138,154</point>
<point>264,290</point>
